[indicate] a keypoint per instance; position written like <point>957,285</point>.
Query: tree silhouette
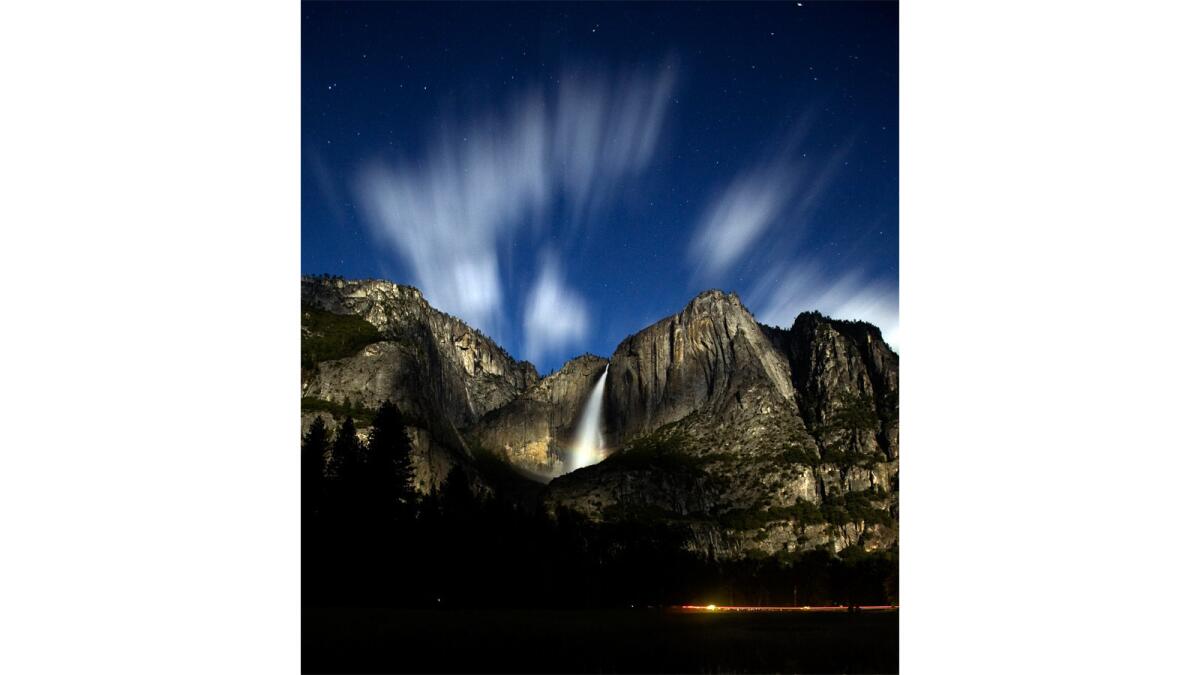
<point>346,453</point>
<point>371,541</point>
<point>346,470</point>
<point>389,464</point>
<point>312,466</point>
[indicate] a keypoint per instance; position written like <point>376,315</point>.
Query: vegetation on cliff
<point>326,336</point>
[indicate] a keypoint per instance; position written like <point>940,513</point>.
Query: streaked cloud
<point>606,128</point>
<point>778,195</point>
<point>760,220</point>
<point>786,290</point>
<point>447,209</point>
<point>555,315</point>
<point>737,218</point>
<point>445,213</point>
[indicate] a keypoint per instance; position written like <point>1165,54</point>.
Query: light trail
<point>743,608</point>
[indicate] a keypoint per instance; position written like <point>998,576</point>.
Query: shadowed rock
<point>535,430</point>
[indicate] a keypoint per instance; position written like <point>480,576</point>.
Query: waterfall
<point>589,443</point>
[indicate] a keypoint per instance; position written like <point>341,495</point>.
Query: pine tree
<point>312,465</point>
<point>346,455</point>
<point>389,462</point>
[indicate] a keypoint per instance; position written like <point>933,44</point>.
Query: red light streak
<point>734,608</point>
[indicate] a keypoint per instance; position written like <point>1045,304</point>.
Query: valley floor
<point>610,641</point>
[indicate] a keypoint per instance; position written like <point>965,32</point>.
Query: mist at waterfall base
<point>588,447</point>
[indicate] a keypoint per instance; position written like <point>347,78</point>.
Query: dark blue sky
<point>562,175</point>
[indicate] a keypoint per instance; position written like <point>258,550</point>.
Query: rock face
<point>711,360</point>
<point>441,373</point>
<point>457,368</point>
<point>756,438</point>
<point>533,432</point>
<point>844,369</point>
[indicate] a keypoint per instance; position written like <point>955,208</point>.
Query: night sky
<point>562,175</point>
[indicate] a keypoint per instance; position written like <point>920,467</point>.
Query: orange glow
<point>835,608</point>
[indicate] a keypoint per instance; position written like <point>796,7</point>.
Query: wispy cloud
<point>446,211</point>
<point>737,218</point>
<point>786,290</point>
<point>606,128</point>
<point>779,195</point>
<point>761,219</point>
<point>555,315</point>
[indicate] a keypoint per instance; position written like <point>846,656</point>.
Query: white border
<point>1047,283</point>
<point>149,493</point>
<point>150,250</point>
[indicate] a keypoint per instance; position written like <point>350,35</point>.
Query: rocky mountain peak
<point>710,356</point>
<point>585,365</point>
<point>442,373</point>
<point>369,298</point>
<point>756,437</point>
<point>860,331</point>
<point>715,297</point>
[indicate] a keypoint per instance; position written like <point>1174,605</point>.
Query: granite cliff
<point>755,439</point>
<point>443,374</point>
<point>758,439</point>
<point>534,431</point>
